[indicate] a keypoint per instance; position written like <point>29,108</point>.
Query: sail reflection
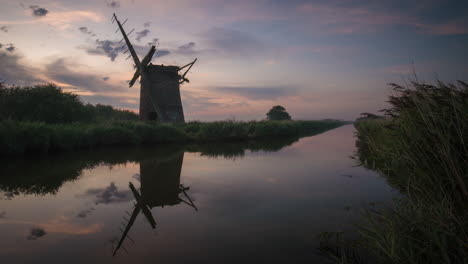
<point>160,186</point>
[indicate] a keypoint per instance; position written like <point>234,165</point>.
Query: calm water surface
<point>234,203</point>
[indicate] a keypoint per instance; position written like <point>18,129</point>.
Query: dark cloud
<point>110,194</point>
<point>10,47</point>
<point>4,29</point>
<point>2,214</point>
<point>259,93</point>
<point>147,24</point>
<point>59,71</point>
<point>105,47</point>
<point>38,11</point>
<point>1,45</point>
<point>85,213</point>
<point>141,34</point>
<point>36,233</point>
<point>233,42</point>
<point>85,30</point>
<point>113,4</point>
<point>160,53</point>
<point>105,78</point>
<point>187,49</point>
<point>14,72</point>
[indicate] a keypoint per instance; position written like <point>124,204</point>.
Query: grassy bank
<point>18,138</point>
<point>421,149</point>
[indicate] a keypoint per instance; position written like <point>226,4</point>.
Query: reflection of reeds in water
<point>420,147</point>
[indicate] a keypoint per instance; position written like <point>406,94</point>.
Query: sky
<point>318,59</point>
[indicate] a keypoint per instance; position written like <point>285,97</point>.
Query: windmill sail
<point>129,45</point>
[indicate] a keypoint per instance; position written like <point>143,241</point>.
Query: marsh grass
<point>420,148</point>
<point>17,138</point>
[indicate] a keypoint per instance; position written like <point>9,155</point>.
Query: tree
<point>278,113</point>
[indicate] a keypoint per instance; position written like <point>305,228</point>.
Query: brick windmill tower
<point>160,85</point>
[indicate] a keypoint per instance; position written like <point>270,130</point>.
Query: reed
<point>420,148</point>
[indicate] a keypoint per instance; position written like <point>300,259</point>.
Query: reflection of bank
<point>160,186</point>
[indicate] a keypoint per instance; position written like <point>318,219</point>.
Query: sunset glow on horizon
<point>318,59</point>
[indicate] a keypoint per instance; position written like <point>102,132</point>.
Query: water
<point>241,206</point>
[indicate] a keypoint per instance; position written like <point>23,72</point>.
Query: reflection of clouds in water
<point>85,213</point>
<point>36,233</point>
<point>110,194</point>
<point>2,214</point>
<point>136,176</point>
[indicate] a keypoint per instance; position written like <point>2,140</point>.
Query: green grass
<point>17,138</point>
<point>420,148</point>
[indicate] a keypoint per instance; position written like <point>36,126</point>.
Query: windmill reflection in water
<point>160,186</point>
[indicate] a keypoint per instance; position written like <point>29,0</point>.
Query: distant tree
<point>278,113</point>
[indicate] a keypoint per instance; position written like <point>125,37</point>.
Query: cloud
<point>59,71</point>
<point>85,213</point>
<point>38,11</point>
<point>113,4</point>
<point>187,49</point>
<point>147,24</point>
<point>160,53</point>
<point>110,194</point>
<point>36,233</point>
<point>4,29</point>
<point>112,49</point>
<point>232,42</point>
<point>141,34</point>
<point>105,78</point>
<point>2,214</point>
<point>10,48</point>
<point>259,93</point>
<point>196,102</point>
<point>85,30</point>
<point>15,72</point>
<point>107,48</point>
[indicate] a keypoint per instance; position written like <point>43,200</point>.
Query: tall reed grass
<point>420,147</point>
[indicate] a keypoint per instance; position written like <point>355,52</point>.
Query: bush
<point>49,104</point>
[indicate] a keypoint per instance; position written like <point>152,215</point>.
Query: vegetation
<point>278,113</point>
<point>49,104</point>
<point>43,119</point>
<point>18,138</point>
<point>420,147</point>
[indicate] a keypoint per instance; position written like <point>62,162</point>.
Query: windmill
<point>160,85</point>
<point>159,187</point>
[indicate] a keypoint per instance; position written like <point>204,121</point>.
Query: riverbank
<point>19,138</point>
<point>420,148</point>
